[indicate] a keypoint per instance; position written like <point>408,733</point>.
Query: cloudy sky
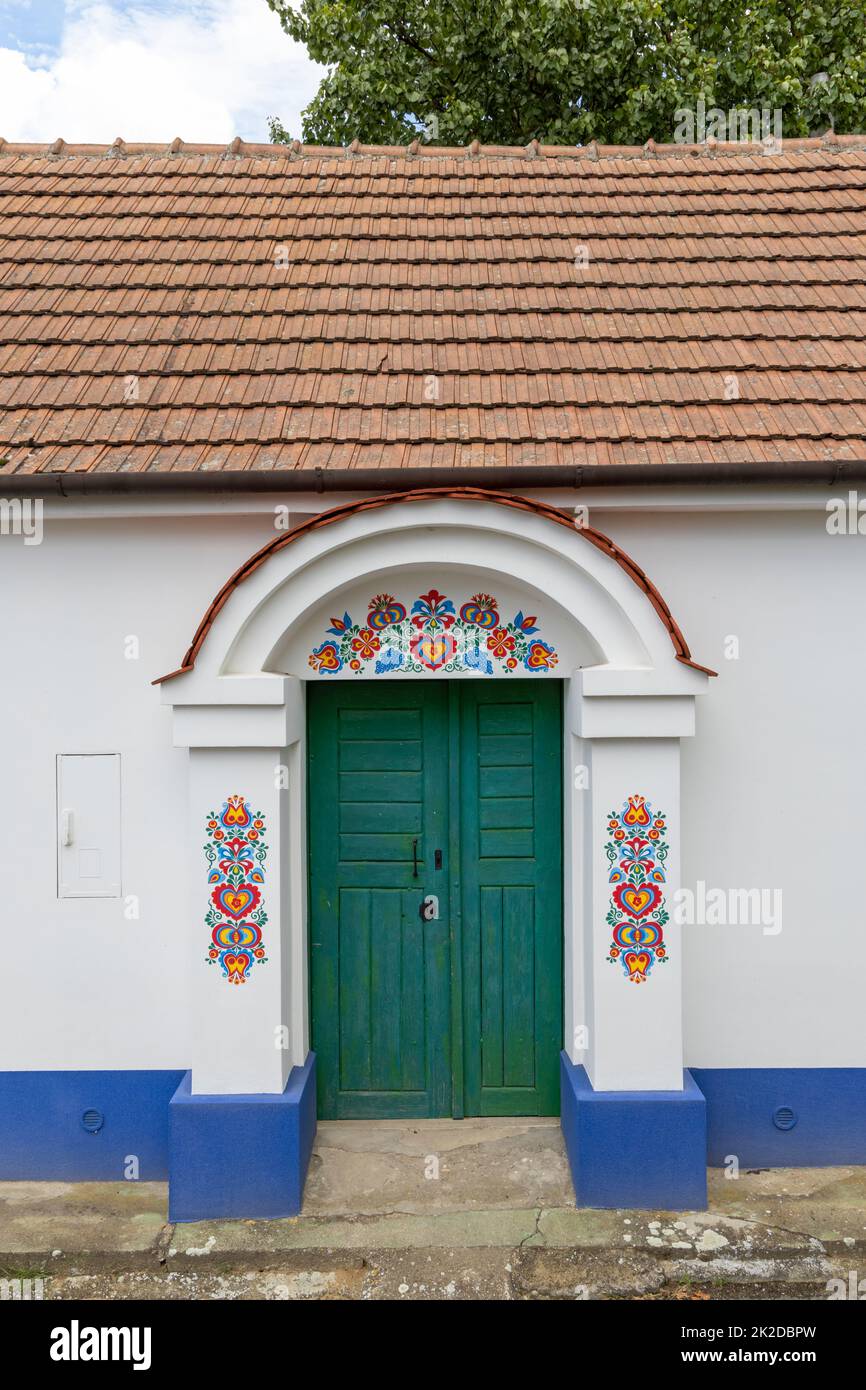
<point>90,70</point>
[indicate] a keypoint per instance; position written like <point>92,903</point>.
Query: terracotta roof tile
<point>279,309</point>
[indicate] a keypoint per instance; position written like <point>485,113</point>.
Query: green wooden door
<point>450,789</point>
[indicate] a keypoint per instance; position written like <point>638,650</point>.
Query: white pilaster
<point>247,1036</point>
<point>627,1034</point>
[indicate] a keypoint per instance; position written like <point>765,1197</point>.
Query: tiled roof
<point>279,308</point>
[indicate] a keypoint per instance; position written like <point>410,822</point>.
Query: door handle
<point>414,858</point>
<point>66,826</point>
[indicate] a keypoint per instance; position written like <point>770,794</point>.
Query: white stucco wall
<point>772,783</point>
<point>85,987</point>
<point>772,790</point>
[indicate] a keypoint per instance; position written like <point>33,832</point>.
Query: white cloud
<point>206,71</point>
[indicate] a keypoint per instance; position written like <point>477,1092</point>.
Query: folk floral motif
<point>433,636</point>
<point>236,854</point>
<point>636,855</point>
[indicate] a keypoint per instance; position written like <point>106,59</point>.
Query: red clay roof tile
<point>290,309</point>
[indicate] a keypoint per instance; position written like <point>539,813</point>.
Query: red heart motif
<point>637,901</point>
<point>540,657</point>
<point>433,652</point>
<point>236,902</point>
<point>637,964</point>
<point>326,658</point>
<point>637,813</point>
<point>237,967</point>
<point>236,812</point>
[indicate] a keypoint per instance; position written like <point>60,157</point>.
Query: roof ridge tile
<point>711,149</point>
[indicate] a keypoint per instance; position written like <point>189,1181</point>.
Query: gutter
<point>832,473</point>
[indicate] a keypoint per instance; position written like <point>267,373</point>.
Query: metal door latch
<point>429,909</point>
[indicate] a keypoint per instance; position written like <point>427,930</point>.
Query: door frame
<point>630,698</point>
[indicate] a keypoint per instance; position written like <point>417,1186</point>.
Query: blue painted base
<point>43,1136</point>
<point>645,1149</point>
<point>829,1112</point>
<point>241,1156</point>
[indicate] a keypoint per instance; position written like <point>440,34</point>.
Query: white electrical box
<point>88,825</point>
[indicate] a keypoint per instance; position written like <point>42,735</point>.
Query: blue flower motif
<point>390,660</point>
<point>475,660</point>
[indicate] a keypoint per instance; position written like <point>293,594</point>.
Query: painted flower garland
<point>433,637</point>
<point>636,854</point>
<point>236,854</point>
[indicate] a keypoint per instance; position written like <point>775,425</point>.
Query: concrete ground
<point>442,1209</point>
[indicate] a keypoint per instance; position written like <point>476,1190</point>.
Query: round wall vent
<point>93,1120</point>
<point>784,1117</point>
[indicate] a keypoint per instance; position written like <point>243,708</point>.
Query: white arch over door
<point>603,600</point>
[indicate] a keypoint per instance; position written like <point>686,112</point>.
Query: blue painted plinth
<point>241,1155</point>
<point>85,1126</point>
<point>785,1117</point>
<point>644,1149</point>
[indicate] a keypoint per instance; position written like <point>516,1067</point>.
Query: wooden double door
<point>435,861</point>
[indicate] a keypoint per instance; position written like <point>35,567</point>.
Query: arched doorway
<point>344,603</point>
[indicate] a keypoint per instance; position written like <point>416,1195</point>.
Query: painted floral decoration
<point>433,636</point>
<point>636,854</point>
<point>236,854</point>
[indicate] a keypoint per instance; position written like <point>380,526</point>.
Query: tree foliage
<point>569,71</point>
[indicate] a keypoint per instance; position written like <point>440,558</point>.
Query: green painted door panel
<point>462,1014</point>
<point>380,977</point>
<point>511,872</point>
